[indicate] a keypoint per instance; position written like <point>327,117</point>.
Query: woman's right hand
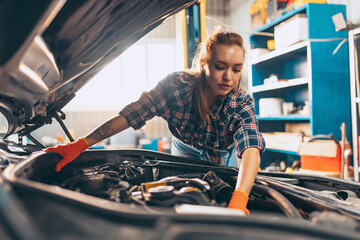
<point>69,151</point>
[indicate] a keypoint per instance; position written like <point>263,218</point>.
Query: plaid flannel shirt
<point>232,120</point>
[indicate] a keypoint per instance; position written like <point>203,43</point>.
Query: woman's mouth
<point>225,86</point>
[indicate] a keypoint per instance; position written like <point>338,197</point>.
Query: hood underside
<point>50,49</point>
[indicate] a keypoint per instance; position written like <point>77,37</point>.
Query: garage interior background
<point>147,62</point>
<point>137,70</point>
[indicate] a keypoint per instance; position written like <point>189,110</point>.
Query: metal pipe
<point>60,121</point>
<point>34,140</point>
<point>284,203</point>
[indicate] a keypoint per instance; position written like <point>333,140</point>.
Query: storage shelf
<point>280,52</point>
<point>312,74</point>
<point>290,117</point>
<point>282,151</point>
<point>270,26</point>
<point>280,85</point>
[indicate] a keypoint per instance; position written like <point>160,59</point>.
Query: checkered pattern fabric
<point>232,120</point>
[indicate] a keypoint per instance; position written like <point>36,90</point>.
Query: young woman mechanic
<point>210,116</point>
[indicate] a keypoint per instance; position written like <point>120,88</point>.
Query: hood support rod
<point>34,140</point>
<point>62,124</point>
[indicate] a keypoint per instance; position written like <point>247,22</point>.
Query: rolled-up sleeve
<point>247,134</point>
<point>150,104</point>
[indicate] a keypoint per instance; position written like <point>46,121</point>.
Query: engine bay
<point>153,183</point>
<point>141,184</point>
<point>147,180</point>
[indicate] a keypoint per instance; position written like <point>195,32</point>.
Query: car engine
<point>140,183</point>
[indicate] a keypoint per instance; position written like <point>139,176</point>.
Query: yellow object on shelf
<point>271,44</point>
<point>258,13</point>
<point>299,3</point>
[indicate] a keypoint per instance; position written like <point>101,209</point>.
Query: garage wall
<point>217,14</point>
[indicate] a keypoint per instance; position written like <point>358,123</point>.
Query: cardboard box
<point>292,30</point>
<point>282,141</point>
<point>294,127</point>
<point>320,155</point>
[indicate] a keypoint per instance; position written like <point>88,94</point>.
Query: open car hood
<point>50,49</point>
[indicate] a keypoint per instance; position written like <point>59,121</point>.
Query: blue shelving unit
<point>288,118</point>
<point>283,151</point>
<point>314,74</point>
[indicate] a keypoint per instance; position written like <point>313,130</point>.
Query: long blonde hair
<point>201,59</point>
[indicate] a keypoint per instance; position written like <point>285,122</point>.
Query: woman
<point>210,116</point>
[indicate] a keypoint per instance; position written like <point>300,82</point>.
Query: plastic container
<point>321,155</point>
<point>270,107</point>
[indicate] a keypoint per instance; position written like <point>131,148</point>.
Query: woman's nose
<point>227,75</point>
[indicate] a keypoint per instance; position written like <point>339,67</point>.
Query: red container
<point>321,155</point>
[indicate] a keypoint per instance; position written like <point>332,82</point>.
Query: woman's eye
<point>219,67</point>
<point>237,70</point>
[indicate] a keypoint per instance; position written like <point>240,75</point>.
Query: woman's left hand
<point>239,201</point>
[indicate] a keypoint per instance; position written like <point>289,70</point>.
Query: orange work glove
<point>239,200</point>
<point>69,151</point>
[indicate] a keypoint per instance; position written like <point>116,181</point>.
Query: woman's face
<point>223,69</point>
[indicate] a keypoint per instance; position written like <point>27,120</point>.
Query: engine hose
<point>284,203</point>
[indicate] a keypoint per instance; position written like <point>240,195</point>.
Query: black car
<point>48,51</point>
